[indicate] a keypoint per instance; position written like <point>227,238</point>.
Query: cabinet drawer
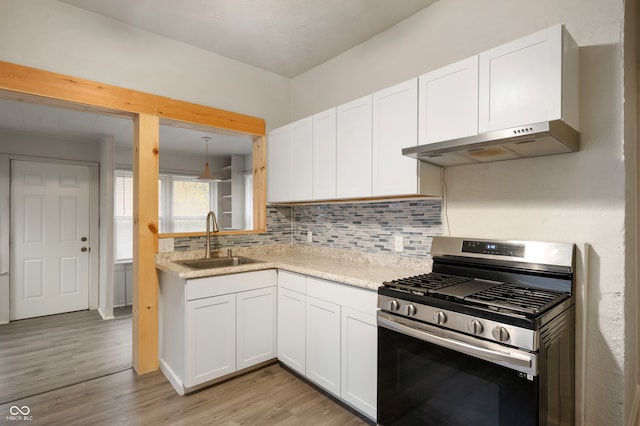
<point>292,281</point>
<point>232,283</point>
<point>357,298</point>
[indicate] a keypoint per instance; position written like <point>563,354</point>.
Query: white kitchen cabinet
<point>354,149</point>
<point>448,102</point>
<point>291,329</point>
<point>395,126</point>
<point>327,332</point>
<point>290,162</point>
<point>323,344</point>
<point>279,164</point>
<point>300,187</point>
<point>256,326</point>
<point>324,155</point>
<point>359,360</point>
<point>214,326</point>
<point>529,80</point>
<point>210,339</point>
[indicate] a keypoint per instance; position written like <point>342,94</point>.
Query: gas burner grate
<point>520,299</point>
<point>421,284</point>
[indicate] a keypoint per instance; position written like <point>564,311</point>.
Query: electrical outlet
<point>165,245</point>
<point>309,236</point>
<point>399,243</point>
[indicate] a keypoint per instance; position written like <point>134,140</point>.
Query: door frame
<point>94,220</point>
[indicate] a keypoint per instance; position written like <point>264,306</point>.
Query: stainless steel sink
<point>217,262</point>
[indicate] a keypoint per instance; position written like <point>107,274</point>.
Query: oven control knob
<point>500,334</point>
<point>474,326</point>
<point>394,305</point>
<point>439,317</point>
<point>411,309</point>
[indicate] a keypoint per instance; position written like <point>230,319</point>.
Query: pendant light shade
<point>206,173</point>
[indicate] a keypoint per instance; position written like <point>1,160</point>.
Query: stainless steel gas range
<point>486,338</point>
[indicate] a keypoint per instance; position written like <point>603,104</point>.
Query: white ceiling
<point>287,37</point>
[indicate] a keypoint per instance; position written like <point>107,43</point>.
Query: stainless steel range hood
<point>546,138</point>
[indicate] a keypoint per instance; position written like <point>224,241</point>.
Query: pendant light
<point>206,173</point>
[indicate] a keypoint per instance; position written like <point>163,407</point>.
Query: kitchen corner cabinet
<point>327,332</point>
<point>354,150</point>
<point>290,162</point>
<point>395,126</point>
<point>529,80</point>
<point>212,327</point>
<point>323,155</point>
<point>448,102</point>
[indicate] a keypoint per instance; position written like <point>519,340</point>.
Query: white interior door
<point>50,239</point>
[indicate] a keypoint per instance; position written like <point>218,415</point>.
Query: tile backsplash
<point>365,227</point>
<point>370,227</point>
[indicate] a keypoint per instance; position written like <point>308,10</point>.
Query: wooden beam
<point>117,100</point>
<point>145,242</point>
<point>33,85</point>
<point>260,184</point>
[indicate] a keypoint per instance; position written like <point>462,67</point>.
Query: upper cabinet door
<point>353,151</point>
<point>448,102</point>
<point>395,126</point>
<point>279,164</point>
<point>324,155</point>
<point>521,81</point>
<point>301,163</point>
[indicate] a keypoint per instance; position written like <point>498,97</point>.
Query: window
<point>183,204</point>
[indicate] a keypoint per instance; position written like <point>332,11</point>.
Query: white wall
<point>576,197</point>
<point>61,38</point>
<point>107,248</point>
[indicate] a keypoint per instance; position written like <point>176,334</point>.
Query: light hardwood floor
<point>46,353</point>
<point>270,396</point>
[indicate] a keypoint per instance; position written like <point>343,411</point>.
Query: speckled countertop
<point>347,267</point>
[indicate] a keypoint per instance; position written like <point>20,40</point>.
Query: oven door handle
<point>524,363</point>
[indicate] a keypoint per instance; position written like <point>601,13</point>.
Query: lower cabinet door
<point>323,344</point>
<point>256,315</point>
<point>291,329</point>
<point>210,339</point>
<point>359,360</point>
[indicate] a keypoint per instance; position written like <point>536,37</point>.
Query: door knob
<point>83,239</point>
<point>83,249</point>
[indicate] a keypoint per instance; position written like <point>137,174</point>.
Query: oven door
<point>432,376</point>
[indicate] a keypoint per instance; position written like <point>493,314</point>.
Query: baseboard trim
<point>104,317</point>
<point>172,377</point>
<point>634,418</point>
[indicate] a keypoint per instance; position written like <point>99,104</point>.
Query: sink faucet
<point>212,226</point>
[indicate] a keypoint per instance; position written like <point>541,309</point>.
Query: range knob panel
<point>474,326</point>
<point>500,334</point>
<point>440,317</point>
<point>411,309</point>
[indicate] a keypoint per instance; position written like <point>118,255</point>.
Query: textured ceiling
<point>287,37</point>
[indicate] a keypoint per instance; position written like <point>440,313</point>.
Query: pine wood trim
<point>145,242</point>
<point>33,85</point>
<point>90,95</point>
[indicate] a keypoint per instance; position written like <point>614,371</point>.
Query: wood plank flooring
<point>46,353</point>
<point>270,396</point>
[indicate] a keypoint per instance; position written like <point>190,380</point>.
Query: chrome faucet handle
<point>229,253</point>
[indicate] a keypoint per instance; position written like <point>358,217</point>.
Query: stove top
<point>493,295</point>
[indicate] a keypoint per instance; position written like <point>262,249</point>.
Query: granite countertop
<point>347,267</point>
